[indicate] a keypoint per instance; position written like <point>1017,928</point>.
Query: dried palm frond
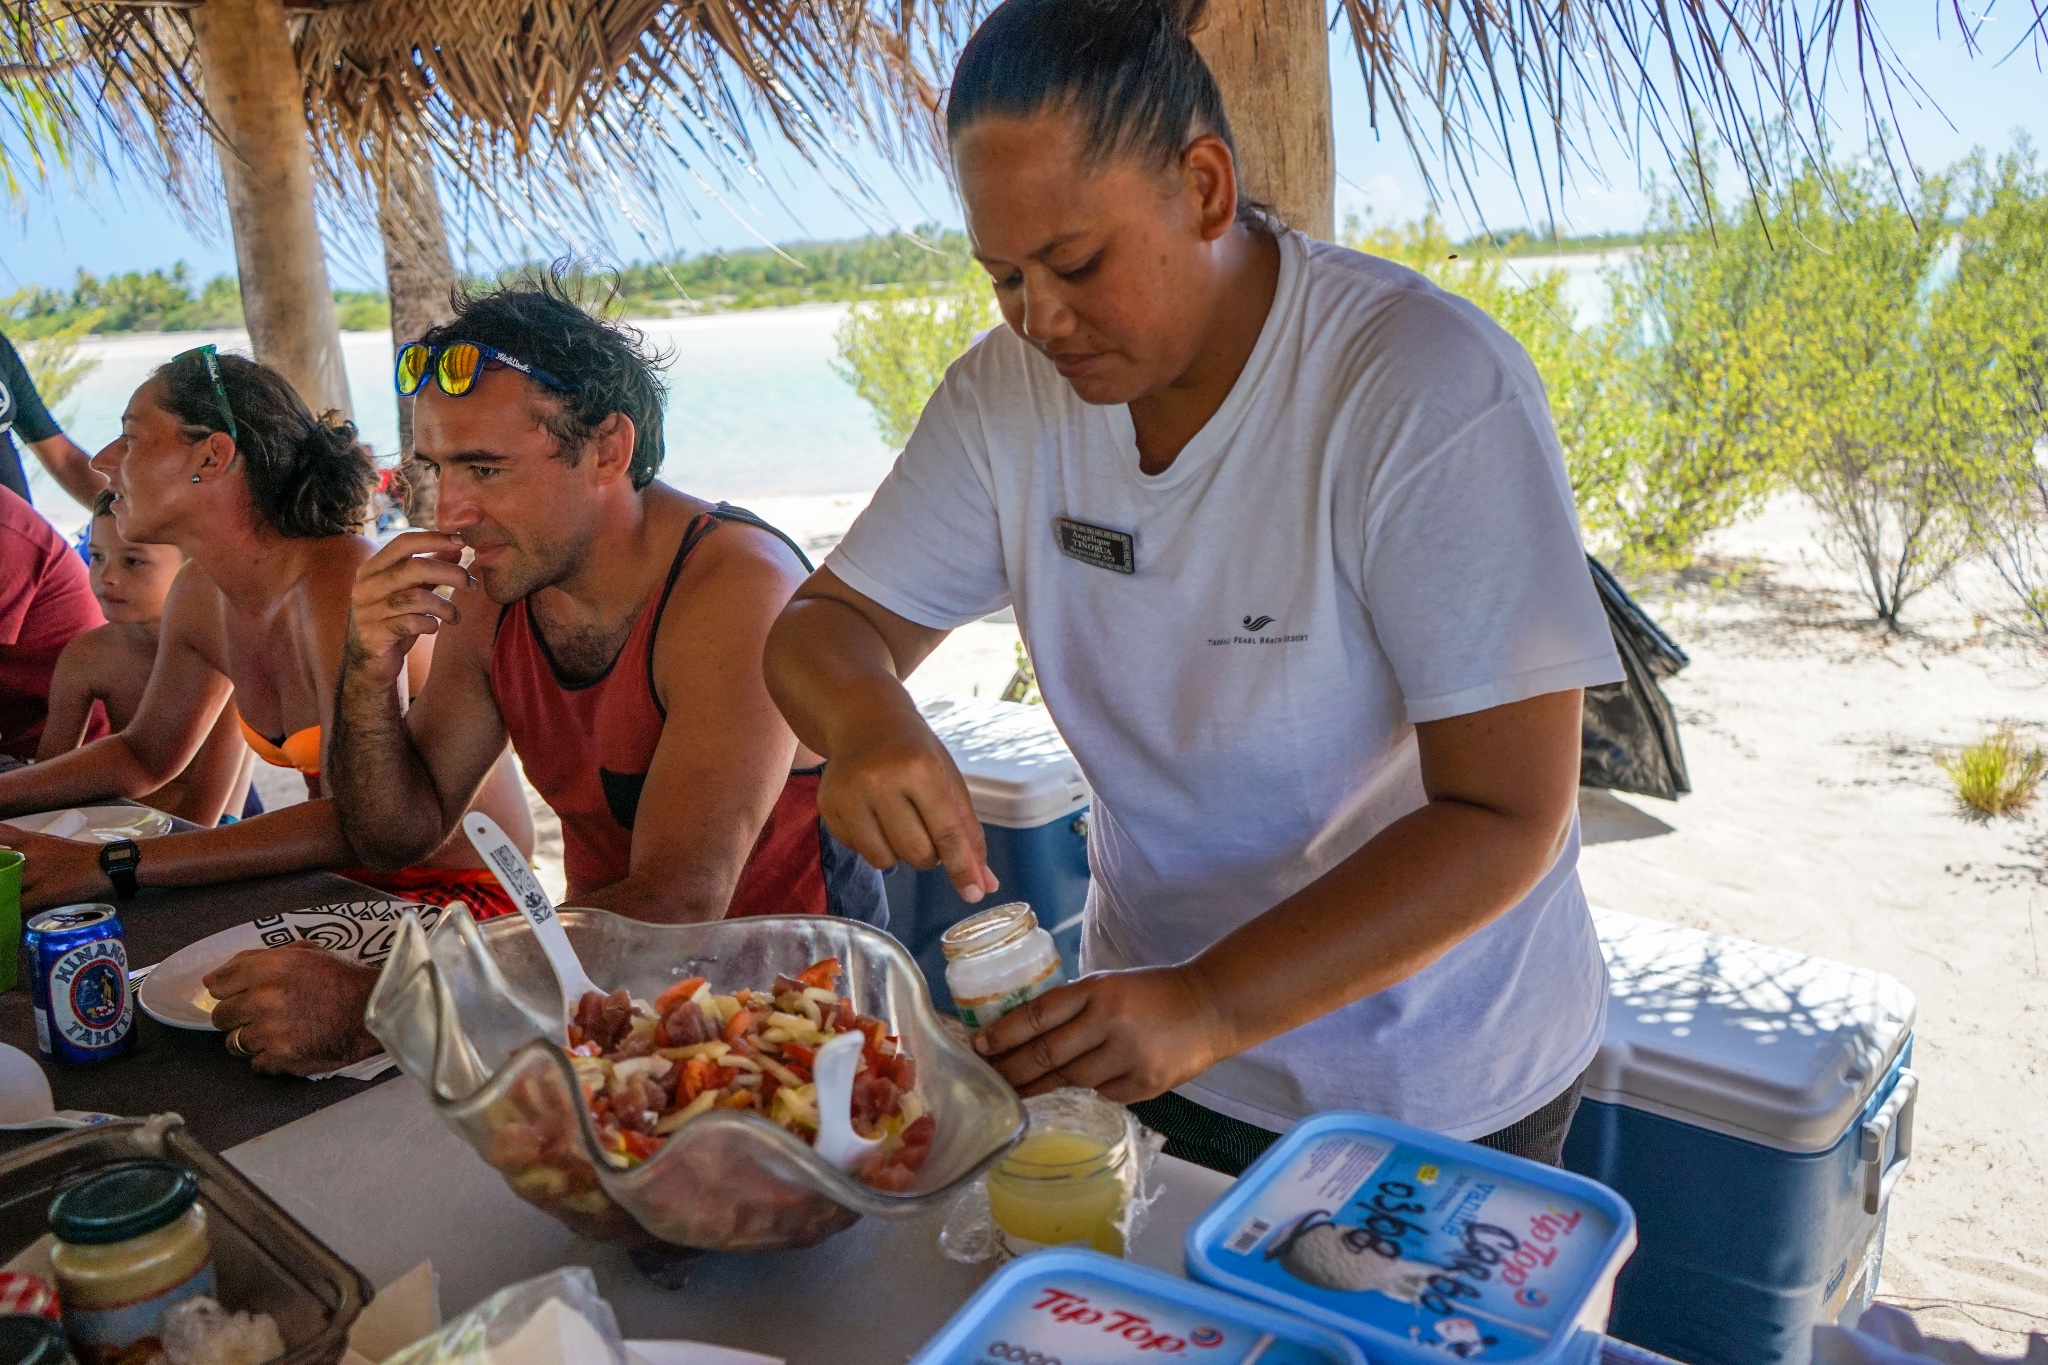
<point>1526,80</point>
<point>569,113</point>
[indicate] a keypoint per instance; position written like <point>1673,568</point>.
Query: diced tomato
<point>820,974</point>
<point>641,1145</point>
<point>696,1075</point>
<point>903,1071</point>
<point>737,1027</point>
<point>844,1020</point>
<point>799,1058</point>
<point>676,994</point>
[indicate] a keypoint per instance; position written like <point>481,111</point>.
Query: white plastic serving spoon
<point>509,867</point>
<point>834,1068</point>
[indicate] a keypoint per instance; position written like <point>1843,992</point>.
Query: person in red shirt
<point>46,601</point>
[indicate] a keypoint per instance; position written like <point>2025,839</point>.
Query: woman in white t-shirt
<point>1290,544</point>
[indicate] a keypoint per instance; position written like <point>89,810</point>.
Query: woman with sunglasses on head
<point>220,457</point>
<point>1289,540</point>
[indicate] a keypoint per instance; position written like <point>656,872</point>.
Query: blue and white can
<point>79,984</point>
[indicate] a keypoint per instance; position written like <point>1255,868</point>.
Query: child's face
<point>129,579</point>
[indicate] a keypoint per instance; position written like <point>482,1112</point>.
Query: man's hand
<point>894,794</point>
<point>298,1009</point>
<point>394,601</point>
<point>1129,1035</point>
<point>57,871</point>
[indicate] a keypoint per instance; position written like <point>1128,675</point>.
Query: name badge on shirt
<point>1116,551</point>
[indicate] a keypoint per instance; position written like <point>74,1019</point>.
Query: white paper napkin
<point>366,1070</point>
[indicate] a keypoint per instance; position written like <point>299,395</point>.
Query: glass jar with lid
<point>1067,1182</point>
<point>996,960</point>
<point>131,1243</point>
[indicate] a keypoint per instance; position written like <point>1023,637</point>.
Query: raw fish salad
<point>646,1070</point>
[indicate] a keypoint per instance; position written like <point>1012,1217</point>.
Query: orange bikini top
<point>300,751</point>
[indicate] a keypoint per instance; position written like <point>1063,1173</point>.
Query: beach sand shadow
<point>1605,818</point>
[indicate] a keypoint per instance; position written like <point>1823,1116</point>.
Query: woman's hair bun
<point>1126,70</point>
<point>308,477</point>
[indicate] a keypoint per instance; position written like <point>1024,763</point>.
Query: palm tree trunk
<point>1272,60</point>
<point>419,276</point>
<point>266,165</point>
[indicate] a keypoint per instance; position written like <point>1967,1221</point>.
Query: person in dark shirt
<point>22,414</point>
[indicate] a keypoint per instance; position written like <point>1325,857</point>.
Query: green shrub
<point>894,350</point>
<point>362,310</point>
<point>53,363</point>
<point>1997,775</point>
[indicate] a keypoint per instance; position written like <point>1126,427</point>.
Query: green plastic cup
<point>10,916</point>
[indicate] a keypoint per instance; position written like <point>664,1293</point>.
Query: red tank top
<point>586,748</point>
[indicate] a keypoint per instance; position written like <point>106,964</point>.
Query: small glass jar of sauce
<point>1067,1182</point>
<point>131,1242</point>
<point>996,960</point>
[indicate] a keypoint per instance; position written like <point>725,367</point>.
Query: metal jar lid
<point>123,1202</point>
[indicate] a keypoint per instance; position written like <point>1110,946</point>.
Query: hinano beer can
<point>79,984</point>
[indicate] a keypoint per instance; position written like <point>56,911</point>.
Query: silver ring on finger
<point>235,1047</point>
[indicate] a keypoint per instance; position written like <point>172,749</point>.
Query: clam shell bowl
<point>474,1014</point>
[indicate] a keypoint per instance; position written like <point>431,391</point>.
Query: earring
<point>195,478</point>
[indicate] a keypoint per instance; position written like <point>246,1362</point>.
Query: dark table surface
<point>221,1099</point>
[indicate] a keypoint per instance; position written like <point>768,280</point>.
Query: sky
<point>109,226</point>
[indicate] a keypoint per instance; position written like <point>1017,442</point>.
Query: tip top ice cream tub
<point>1066,1306</point>
<point>1419,1247</point>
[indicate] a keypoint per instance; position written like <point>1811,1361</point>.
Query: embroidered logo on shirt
<point>1116,551</point>
<point>1257,623</point>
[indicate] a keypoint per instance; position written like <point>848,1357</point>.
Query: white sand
<point>1820,822</point>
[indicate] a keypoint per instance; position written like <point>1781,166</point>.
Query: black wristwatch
<point>119,861</point>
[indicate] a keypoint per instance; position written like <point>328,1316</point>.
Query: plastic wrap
<point>970,1233</point>
<point>466,1012</point>
<point>553,1319</point>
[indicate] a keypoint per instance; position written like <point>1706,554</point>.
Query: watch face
<point>123,856</point>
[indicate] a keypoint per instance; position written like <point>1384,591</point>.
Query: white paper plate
<point>174,992</point>
<point>104,823</point>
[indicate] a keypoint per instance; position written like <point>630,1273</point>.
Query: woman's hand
<point>297,1009</point>
<point>56,871</point>
<point>1129,1035</point>
<point>893,794</point>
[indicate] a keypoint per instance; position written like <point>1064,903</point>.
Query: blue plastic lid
<point>1083,1308</point>
<point>1416,1245</point>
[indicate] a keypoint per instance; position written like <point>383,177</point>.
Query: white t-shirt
<point>1375,529</point>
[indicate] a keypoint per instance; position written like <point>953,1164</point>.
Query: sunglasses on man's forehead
<point>210,359</point>
<point>455,367</point>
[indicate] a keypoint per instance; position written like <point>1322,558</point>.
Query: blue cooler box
<point>1033,805</point>
<point>1755,1107</point>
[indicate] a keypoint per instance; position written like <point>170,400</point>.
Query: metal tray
<point>265,1261</point>
<point>470,1012</point>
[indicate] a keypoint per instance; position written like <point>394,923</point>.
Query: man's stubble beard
<point>548,564</point>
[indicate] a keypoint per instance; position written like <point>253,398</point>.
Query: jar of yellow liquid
<point>1067,1182</point>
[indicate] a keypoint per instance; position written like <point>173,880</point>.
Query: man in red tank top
<point>610,627</point>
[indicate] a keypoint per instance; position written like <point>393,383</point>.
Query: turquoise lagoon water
<point>754,406</point>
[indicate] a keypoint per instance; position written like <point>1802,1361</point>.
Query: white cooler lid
<point>1759,1043</point>
<point>1018,770</point>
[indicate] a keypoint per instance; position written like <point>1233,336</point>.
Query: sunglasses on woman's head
<point>210,358</point>
<point>455,367</point>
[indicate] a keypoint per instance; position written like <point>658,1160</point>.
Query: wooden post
<point>419,276</point>
<point>1272,60</point>
<point>253,94</point>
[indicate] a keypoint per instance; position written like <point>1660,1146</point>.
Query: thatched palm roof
<point>527,98</point>
<point>606,98</point>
